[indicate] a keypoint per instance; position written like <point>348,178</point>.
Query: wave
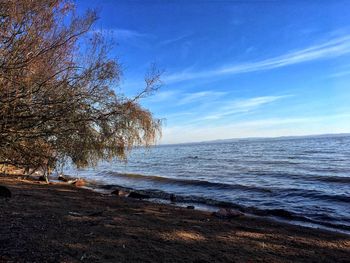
<point>308,177</point>
<point>311,194</point>
<point>332,179</point>
<point>269,191</point>
<point>188,182</point>
<point>304,179</point>
<point>322,220</point>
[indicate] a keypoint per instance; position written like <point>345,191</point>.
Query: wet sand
<point>64,223</point>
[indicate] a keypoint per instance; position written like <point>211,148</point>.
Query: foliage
<point>57,97</point>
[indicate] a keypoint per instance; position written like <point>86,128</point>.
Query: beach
<point>58,222</point>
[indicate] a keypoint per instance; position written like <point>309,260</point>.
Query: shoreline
<point>211,205</point>
<point>64,223</point>
<point>214,208</point>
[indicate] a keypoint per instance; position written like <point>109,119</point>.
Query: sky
<point>235,69</point>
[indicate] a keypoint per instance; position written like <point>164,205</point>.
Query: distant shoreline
<point>287,137</point>
<point>66,223</point>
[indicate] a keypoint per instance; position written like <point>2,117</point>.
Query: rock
<point>79,183</point>
<point>115,192</point>
<point>75,214</point>
<point>172,198</point>
<point>227,213</point>
<point>72,181</point>
<point>138,195</point>
<point>62,178</point>
<point>281,213</point>
<point>190,207</point>
<point>123,193</point>
<point>119,192</point>
<point>5,192</point>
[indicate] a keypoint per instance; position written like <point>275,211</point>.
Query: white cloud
<point>161,96</point>
<point>198,96</point>
<point>329,49</point>
<point>340,74</point>
<point>125,33</point>
<point>240,106</point>
<point>173,40</point>
<point>120,33</point>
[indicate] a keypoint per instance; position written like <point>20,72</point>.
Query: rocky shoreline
<point>61,222</point>
<point>220,208</point>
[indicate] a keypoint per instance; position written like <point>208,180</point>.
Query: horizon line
<point>257,138</point>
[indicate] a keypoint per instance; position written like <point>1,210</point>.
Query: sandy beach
<point>64,223</point>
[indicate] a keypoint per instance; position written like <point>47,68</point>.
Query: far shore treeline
<point>57,90</point>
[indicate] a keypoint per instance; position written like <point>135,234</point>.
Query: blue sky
<point>235,69</point>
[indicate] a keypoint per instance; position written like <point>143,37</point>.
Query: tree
<point>57,100</point>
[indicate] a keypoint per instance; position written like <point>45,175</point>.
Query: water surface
<point>307,179</point>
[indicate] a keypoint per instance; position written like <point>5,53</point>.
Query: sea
<point>303,180</point>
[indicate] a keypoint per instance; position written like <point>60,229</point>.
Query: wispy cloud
<point>241,106</point>
<point>340,74</point>
<point>199,96</point>
<point>163,96</point>
<point>121,33</point>
<point>209,104</point>
<point>328,49</point>
<point>173,40</point>
<point>126,33</point>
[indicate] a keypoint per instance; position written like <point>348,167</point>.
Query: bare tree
<point>57,98</point>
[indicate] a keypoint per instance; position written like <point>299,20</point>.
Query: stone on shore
<point>228,213</point>
<point>79,183</point>
<point>138,195</point>
<point>281,213</point>
<point>62,178</point>
<point>120,193</point>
